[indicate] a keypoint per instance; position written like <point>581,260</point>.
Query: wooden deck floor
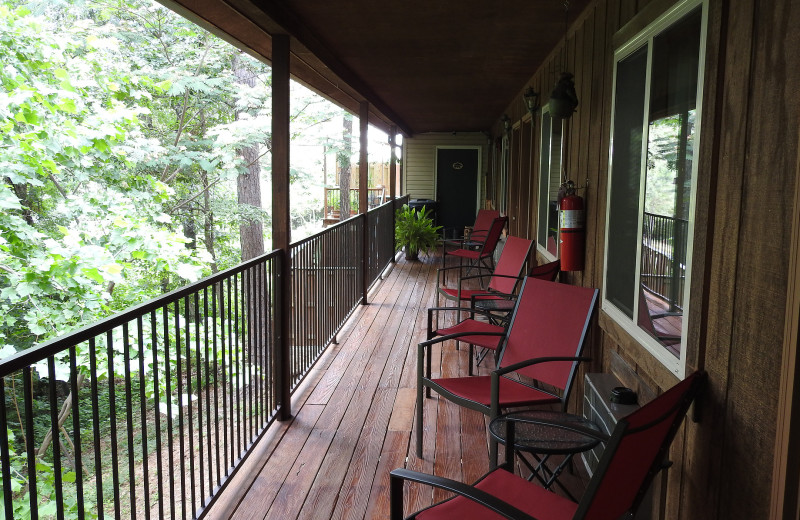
<point>354,419</point>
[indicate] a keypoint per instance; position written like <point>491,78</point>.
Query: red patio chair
<point>649,321</point>
<point>503,278</point>
<point>483,222</point>
<point>499,309</point>
<point>635,452</point>
<point>544,343</point>
<point>482,334</point>
<point>483,254</point>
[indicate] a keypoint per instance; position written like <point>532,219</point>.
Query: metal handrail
<point>212,346</point>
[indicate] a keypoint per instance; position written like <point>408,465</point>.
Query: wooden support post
<point>363,192</point>
<point>393,163</point>
<point>281,222</point>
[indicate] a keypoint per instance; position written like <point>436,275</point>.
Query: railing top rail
<point>53,346</point>
<point>315,236</point>
<point>346,222</point>
<point>667,217</point>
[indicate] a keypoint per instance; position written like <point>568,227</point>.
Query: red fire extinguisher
<point>572,230</point>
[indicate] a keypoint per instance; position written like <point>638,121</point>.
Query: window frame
<point>676,365</point>
<point>541,248</point>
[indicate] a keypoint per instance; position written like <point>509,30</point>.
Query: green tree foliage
<point>77,216</point>
<point>118,167</point>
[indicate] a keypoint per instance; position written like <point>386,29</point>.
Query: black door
<point>456,188</point>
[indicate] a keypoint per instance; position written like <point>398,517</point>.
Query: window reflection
<point>668,181</point>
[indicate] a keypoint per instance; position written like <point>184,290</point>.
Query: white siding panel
<point>419,161</point>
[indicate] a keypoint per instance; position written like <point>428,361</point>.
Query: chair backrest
<point>512,259</point>
<point>548,271</point>
<point>636,452</point>
<point>492,237</point>
<point>484,221</point>
<point>550,320</point>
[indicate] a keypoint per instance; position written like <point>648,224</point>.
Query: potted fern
<point>414,231</point>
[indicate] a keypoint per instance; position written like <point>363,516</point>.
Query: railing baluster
<point>168,397</point>
<point>209,460</point>
<point>198,370</point>
<point>5,457</point>
<point>113,422</point>
<point>76,429</point>
<point>30,438</point>
<point>190,434</point>
<point>214,299</point>
<point>143,411</point>
<point>157,410</point>
<point>179,374</point>
<point>126,345</point>
<point>56,438</point>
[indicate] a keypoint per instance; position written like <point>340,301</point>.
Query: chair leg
<point>395,497</point>
<point>419,418</point>
<point>420,368</point>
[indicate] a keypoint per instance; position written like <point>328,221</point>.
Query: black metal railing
<point>663,271</point>
<point>326,287</point>
<point>380,238</point>
<point>165,400</point>
<point>156,408</point>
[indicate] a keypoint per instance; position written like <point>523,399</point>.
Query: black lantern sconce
<point>531,98</point>
<point>506,123</point>
<point>564,99</point>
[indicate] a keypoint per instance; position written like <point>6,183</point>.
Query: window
<point>655,130</point>
<point>549,183</point>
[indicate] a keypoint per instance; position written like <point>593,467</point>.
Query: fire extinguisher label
<point>572,218</point>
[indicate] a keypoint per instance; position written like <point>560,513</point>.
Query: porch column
<point>363,185</point>
<point>393,163</point>
<point>393,176</point>
<point>281,230</point>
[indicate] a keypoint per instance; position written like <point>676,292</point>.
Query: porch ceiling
<point>423,66</point>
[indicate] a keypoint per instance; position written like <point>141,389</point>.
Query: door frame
<point>785,500</point>
<point>477,176</point>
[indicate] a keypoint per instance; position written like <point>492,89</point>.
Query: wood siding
<point>419,161</point>
<point>745,199</point>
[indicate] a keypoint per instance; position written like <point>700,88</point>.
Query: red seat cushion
<point>525,496</point>
<point>468,254</point>
<point>470,325</point>
<point>466,294</point>
<point>479,390</point>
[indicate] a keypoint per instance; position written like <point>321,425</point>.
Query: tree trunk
<point>251,231</point>
<point>344,166</point>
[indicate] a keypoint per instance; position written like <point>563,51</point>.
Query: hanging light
<point>531,98</point>
<point>564,99</point>
<point>506,123</point>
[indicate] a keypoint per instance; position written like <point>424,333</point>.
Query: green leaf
<point>94,274</point>
<point>112,269</point>
<point>68,105</point>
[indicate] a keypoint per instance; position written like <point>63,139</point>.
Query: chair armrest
<point>456,309</point>
<point>488,274</point>
<point>398,476</point>
<point>472,312</point>
<point>456,335</point>
<point>536,361</point>
<point>462,267</point>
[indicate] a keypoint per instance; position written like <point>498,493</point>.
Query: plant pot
<point>412,255</point>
